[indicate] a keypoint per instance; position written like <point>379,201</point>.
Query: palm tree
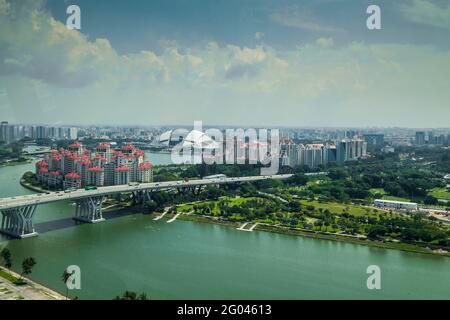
<point>27,266</point>
<point>131,295</point>
<point>65,277</point>
<point>5,254</point>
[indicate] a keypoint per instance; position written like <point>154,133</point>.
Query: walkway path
<point>166,209</point>
<point>29,291</point>
<point>253,227</point>
<point>243,226</point>
<point>174,218</point>
<point>273,196</point>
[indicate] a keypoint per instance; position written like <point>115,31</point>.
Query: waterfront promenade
<point>29,291</point>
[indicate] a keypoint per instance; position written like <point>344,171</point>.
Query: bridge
<point>18,212</point>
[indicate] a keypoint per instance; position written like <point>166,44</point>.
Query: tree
<point>151,205</point>
<point>5,254</point>
<point>65,277</point>
<point>27,266</point>
<point>298,179</point>
<point>430,200</point>
<point>130,295</point>
<point>376,231</point>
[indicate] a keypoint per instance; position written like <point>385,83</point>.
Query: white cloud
<point>259,35</point>
<point>301,18</point>
<point>316,84</point>
<point>427,13</point>
<point>325,42</point>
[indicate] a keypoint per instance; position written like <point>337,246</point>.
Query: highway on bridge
<point>17,212</point>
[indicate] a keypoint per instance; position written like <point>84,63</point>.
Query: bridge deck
<point>41,198</point>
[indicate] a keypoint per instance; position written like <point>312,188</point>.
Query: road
<point>41,198</point>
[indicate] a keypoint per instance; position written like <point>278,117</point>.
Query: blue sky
<point>292,63</point>
<point>136,25</point>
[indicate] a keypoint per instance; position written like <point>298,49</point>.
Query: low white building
<point>391,204</point>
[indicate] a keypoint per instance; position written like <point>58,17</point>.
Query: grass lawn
<point>338,208</point>
<point>374,191</point>
<point>5,275</point>
<point>232,201</point>
<point>385,196</point>
<point>395,198</point>
<point>440,193</point>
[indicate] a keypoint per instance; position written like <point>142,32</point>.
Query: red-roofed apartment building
<point>104,167</point>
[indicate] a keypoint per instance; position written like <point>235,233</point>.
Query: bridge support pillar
<point>89,210</point>
<point>18,222</point>
<point>141,196</point>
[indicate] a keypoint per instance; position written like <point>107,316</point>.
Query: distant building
<point>420,138</point>
<point>374,139</point>
<point>4,131</point>
<point>96,176</point>
<point>55,179</point>
<point>122,175</point>
<point>388,149</point>
<point>391,204</point>
<point>72,181</point>
<point>290,154</point>
<point>313,155</point>
<point>431,138</point>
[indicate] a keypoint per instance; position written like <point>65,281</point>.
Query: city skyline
<point>281,64</point>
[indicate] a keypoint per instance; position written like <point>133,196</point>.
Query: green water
<point>188,260</point>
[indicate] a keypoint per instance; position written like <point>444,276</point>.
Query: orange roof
<point>103,145</point>
<point>75,145</point>
<point>42,163</point>
<point>73,175</point>
<point>96,169</point>
<point>128,147</point>
<point>145,165</point>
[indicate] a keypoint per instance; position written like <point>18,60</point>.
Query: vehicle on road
<point>90,187</point>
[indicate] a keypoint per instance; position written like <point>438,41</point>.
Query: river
<point>189,260</point>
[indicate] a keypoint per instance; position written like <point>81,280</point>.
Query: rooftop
<point>73,175</point>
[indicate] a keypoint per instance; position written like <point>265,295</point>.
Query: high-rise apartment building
<point>420,138</point>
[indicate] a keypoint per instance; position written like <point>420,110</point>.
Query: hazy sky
<point>237,62</point>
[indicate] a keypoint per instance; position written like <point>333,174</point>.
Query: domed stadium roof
<point>194,138</point>
<point>198,139</point>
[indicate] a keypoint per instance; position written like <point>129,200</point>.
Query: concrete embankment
<point>28,186</point>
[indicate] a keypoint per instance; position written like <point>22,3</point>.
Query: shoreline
<point>31,290</point>
<point>15,163</point>
<point>405,247</point>
<point>28,186</point>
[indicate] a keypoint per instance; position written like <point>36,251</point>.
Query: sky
<point>226,62</point>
